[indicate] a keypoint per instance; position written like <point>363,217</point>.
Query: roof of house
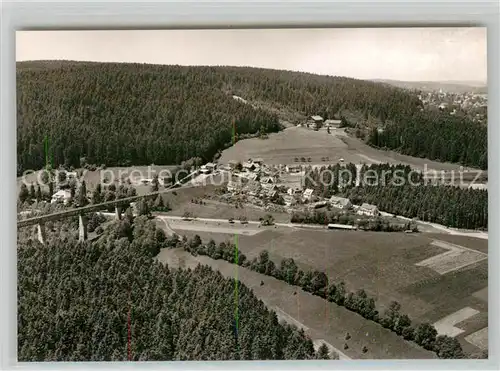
<point>266,179</point>
<point>308,192</point>
<point>248,165</point>
<point>251,176</point>
<point>316,117</point>
<point>209,164</point>
<point>268,187</point>
<point>233,162</point>
<point>339,200</point>
<point>272,193</point>
<point>369,207</point>
<point>252,186</point>
<point>62,193</point>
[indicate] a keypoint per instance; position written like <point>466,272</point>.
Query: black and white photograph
<point>252,194</point>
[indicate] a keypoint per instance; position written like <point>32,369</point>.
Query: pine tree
<point>32,195</point>
<point>23,193</point>
<point>158,204</point>
<point>82,195</point>
<point>323,352</point>
<point>155,184</point>
<point>39,194</point>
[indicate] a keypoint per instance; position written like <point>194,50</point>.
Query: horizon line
<point>372,79</point>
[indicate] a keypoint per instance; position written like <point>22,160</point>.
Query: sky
<point>409,54</point>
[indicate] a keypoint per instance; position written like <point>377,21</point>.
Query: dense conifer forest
<point>397,189</point>
<point>136,114</point>
<point>76,301</point>
<point>437,136</point>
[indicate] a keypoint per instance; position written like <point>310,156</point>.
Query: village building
<point>267,180</point>
<point>317,119</point>
<point>333,123</point>
<point>272,194</point>
<point>340,202</point>
<point>258,161</point>
<point>289,200</point>
<point>294,191</point>
<point>318,204</point>
<point>250,176</point>
<point>62,195</point>
<point>367,209</point>
<point>293,168</point>
<point>232,164</point>
<point>210,166</point>
<point>315,122</point>
<point>249,166</point>
<point>233,186</point>
<point>269,187</point>
<point>308,194</point>
<point>252,188</point>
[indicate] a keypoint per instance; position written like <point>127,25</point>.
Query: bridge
<point>81,212</point>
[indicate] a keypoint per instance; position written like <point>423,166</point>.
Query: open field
<point>217,210</point>
<point>211,227</point>
<point>219,231</point>
<point>297,142</point>
<point>479,339</point>
<point>321,320</point>
<point>446,325</point>
<point>454,258</point>
<point>384,264</point>
<point>479,244</point>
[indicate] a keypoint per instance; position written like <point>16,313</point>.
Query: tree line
<point>317,283</point>
<point>109,300</point>
<point>364,223</point>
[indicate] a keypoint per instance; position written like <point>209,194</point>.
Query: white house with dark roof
<point>367,209</point>
<point>317,119</point>
<point>340,202</point>
<point>308,194</point>
<point>63,195</point>
<point>293,168</point>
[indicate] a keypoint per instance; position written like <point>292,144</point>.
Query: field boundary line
<point>438,242</point>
